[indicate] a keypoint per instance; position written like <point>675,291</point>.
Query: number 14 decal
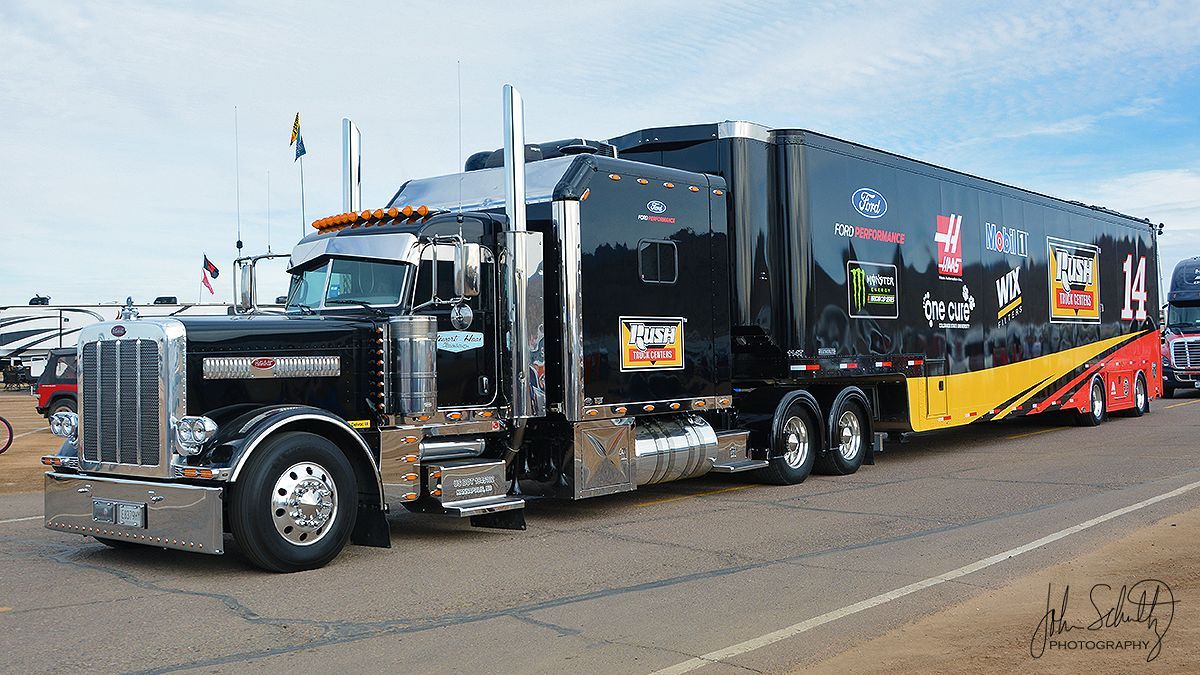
<point>1135,289</point>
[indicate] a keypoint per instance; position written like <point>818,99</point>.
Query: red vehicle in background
<point>1181,331</point>
<point>57,390</point>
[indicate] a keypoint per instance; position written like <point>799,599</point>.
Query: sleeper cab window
<point>658,261</point>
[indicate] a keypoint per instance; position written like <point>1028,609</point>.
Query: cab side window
<point>658,261</point>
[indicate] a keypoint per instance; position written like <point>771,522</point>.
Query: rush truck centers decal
<point>949,246</point>
<point>871,290</point>
<point>651,343</point>
<point>1074,281</point>
<point>1008,296</point>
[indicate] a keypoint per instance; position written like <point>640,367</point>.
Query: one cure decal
<point>651,343</point>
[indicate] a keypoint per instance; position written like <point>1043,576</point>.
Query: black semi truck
<point>580,318</point>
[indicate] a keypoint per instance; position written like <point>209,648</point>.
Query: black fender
<point>856,394</point>
<point>239,436</point>
<point>762,410</point>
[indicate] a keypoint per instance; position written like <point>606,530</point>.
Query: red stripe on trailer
<point>848,365</point>
<point>916,362</point>
<point>947,418</point>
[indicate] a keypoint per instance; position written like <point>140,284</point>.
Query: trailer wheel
<point>1141,401</point>
<point>848,440</point>
<point>294,506</point>
<point>794,447</point>
<point>1097,409</point>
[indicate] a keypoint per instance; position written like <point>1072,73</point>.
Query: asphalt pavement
<point>635,582</point>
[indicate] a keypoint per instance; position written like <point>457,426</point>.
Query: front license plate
<point>131,515</point>
<point>103,511</point>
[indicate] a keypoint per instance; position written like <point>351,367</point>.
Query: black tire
<point>1168,392</point>
<point>305,465</point>
<point>795,444</point>
<point>1141,397</point>
<point>1097,410</point>
<point>848,440</point>
<point>60,405</point>
<point>6,435</point>
<point>117,543</point>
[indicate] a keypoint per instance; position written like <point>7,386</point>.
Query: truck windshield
<point>348,282</point>
<point>1183,315</point>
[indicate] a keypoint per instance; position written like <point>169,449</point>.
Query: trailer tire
<point>294,506</point>
<point>795,443</point>
<point>1097,410</point>
<point>849,439</point>
<point>1141,397</point>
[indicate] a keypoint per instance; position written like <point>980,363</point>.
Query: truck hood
<point>275,332</point>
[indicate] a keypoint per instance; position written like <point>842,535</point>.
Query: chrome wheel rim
<point>849,435</point>
<point>304,503</point>
<point>1097,402</point>
<point>1139,393</point>
<point>795,442</point>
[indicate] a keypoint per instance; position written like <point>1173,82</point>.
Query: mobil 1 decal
<point>1074,272</point>
<point>651,343</point>
<point>872,290</point>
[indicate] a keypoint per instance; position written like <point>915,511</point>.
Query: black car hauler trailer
<point>720,298</point>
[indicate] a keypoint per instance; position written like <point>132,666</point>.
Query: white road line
<point>796,629</point>
<point>27,433</point>
<point>20,520</point>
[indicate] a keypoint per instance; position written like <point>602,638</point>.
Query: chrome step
<point>740,465</point>
<point>479,507</point>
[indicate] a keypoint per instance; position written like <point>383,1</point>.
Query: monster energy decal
<point>871,290</point>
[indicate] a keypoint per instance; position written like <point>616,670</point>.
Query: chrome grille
<point>121,402</point>
<point>1185,353</point>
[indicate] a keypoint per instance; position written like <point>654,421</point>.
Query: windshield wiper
<point>362,303</point>
<point>304,309</point>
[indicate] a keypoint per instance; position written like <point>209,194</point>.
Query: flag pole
<point>303,218</point>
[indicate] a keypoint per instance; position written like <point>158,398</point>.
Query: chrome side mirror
<point>467,262</point>
<point>246,291</point>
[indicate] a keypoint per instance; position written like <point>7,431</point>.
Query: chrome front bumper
<point>184,517</point>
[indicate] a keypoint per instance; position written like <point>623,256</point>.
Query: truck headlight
<point>193,432</point>
<point>64,424</point>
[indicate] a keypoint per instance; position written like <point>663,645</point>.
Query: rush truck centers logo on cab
<point>871,290</point>
<point>651,343</point>
<point>1074,281</point>
<point>1008,296</point>
<point>949,246</point>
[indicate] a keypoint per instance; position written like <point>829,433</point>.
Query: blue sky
<point>117,167</point>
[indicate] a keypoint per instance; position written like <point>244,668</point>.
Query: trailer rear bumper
<point>184,517</point>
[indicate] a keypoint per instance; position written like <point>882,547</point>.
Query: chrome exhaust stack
<point>351,167</point>
<point>524,280</point>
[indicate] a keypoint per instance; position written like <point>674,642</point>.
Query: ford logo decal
<point>656,206</point>
<point>869,203</point>
<point>263,363</point>
<point>118,331</point>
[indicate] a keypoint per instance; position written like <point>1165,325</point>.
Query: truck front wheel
<point>294,505</point>
<point>794,447</point>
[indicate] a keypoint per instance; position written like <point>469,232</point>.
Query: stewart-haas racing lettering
<point>651,343</point>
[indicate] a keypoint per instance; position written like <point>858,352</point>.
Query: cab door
<point>467,342</point>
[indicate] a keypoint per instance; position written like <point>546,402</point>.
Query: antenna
<point>237,173</point>
<point>462,169</point>
<point>268,212</point>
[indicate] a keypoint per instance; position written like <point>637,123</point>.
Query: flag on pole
<point>295,129</point>
<point>211,268</point>
<point>204,280</point>
<point>300,152</point>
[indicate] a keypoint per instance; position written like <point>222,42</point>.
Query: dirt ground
<point>996,631</point>
<point>21,467</point>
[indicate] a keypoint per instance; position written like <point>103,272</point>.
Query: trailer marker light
<point>718,192</point>
<point>410,496</point>
<point>409,439</point>
<point>407,211</point>
<point>1071,400</point>
<point>693,188</point>
<point>620,410</point>
<point>724,401</point>
<point>436,493</point>
<point>648,408</point>
<point>674,406</point>
<point>435,474</point>
<point>643,181</point>
<point>411,459</point>
<point>454,415</point>
<point>613,176</point>
<point>586,193</point>
<point>699,404</point>
<point>393,212</point>
<point>592,413</point>
<point>947,418</point>
<point>668,185</point>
